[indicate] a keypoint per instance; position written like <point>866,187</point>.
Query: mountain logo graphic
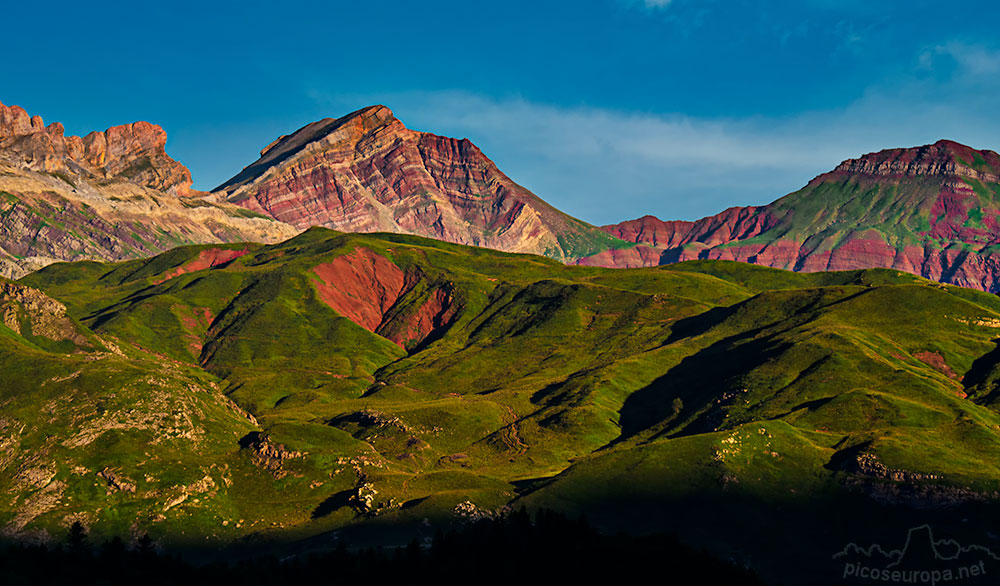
<point>921,560</point>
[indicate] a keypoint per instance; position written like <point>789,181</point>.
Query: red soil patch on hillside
<point>360,286</point>
<point>435,313</point>
<point>363,286</point>
<point>206,259</point>
<point>936,361</point>
<point>196,321</point>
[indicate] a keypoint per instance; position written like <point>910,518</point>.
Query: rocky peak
<point>134,152</point>
<point>14,121</point>
<point>943,158</point>
<point>366,172</point>
<point>918,210</point>
<point>345,131</point>
<point>350,128</point>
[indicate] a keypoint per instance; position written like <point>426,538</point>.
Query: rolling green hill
<point>380,385</point>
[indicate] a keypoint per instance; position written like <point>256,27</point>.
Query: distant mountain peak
<point>930,210</point>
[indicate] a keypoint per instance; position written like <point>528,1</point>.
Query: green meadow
<point>708,399</point>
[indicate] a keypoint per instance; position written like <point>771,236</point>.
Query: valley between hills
<point>372,333</point>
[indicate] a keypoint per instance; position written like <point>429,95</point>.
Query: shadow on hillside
<point>695,392</point>
<point>654,403</point>
<point>545,547</point>
<point>982,381</point>
<point>615,533</point>
<point>703,383</point>
<point>696,325</point>
<point>337,501</point>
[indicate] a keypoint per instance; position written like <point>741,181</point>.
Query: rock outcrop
<point>366,172</point>
<point>31,313</point>
<point>135,152</point>
<point>933,211</point>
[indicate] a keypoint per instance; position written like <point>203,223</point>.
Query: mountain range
<point>371,334</point>
<point>930,211</point>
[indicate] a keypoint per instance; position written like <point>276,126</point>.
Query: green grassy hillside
<point>374,384</point>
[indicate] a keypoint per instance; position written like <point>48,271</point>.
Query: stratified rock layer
<point>366,172</point>
<point>931,210</point>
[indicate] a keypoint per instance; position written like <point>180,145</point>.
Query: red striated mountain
<point>109,195</point>
<point>366,172</point>
<point>932,210</point>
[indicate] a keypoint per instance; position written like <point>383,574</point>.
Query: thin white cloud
<point>605,166</point>
<point>972,60</point>
<point>648,4</point>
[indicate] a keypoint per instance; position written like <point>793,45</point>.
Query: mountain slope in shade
<point>110,195</point>
<point>366,172</point>
<point>931,210</point>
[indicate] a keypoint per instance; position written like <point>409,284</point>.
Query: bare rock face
<point>638,256</point>
<point>366,172</point>
<point>732,224</point>
<point>933,211</point>
<point>944,158</point>
<point>135,152</point>
<point>362,286</point>
<point>111,195</point>
<point>31,313</point>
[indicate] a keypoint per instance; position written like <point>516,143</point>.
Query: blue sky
<point>608,109</point>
